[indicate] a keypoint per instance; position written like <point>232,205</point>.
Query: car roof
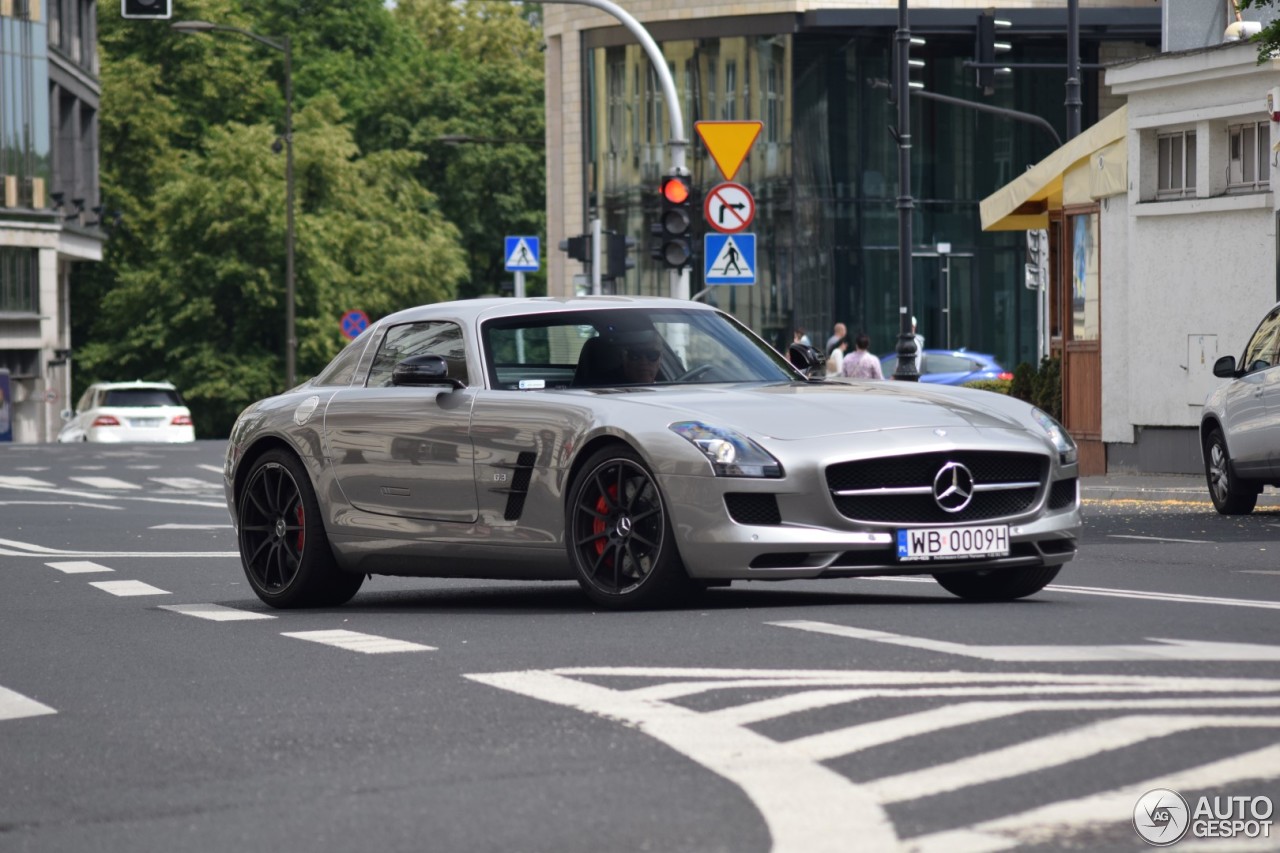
<point>494,307</point>
<point>137,383</point>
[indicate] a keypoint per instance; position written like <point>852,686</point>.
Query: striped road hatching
<point>811,808</point>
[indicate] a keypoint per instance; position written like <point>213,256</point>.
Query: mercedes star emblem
<point>953,487</point>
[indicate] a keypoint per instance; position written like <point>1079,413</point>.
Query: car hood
<point>794,412</point>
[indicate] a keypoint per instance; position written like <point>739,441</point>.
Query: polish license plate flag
<point>951,543</point>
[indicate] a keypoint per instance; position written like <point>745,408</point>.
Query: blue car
<point>951,367</point>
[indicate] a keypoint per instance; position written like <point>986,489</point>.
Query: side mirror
<point>807,360</point>
<point>1225,367</point>
<point>424,370</point>
<point>67,414</point>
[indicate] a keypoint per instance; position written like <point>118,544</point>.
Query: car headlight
<point>1058,435</point>
<point>730,453</point>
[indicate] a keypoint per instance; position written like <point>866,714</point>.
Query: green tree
<point>191,287</point>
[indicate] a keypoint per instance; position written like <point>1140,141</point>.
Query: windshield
<point>621,347</point>
<point>141,398</point>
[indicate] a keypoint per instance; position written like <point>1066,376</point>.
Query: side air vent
<point>521,473</point>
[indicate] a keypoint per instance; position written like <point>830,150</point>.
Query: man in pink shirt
<point>861,364</point>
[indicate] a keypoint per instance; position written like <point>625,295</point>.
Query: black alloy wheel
<point>1228,495</point>
<point>283,546</point>
<point>618,535</point>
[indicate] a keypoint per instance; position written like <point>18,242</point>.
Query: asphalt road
<point>149,702</point>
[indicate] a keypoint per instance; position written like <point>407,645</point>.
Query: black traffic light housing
<point>156,10</point>
<point>674,228</point>
<point>579,248</point>
<point>617,259</point>
<point>988,48</point>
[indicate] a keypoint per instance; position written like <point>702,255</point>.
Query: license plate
<point>145,422</point>
<point>951,543</point>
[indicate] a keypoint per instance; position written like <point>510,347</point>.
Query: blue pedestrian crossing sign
<point>521,254</point>
<point>730,258</point>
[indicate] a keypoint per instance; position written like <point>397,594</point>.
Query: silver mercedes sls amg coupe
<point>645,447</point>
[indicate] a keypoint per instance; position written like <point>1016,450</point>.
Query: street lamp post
<point>283,45</point>
<point>907,368</point>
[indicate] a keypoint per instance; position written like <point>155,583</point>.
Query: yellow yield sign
<point>728,142</point>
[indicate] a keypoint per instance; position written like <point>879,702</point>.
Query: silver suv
<point>1240,427</point>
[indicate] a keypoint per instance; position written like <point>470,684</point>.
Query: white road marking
<point>89,467</point>
<point>1051,751</point>
<point>1179,650</point>
<point>357,642</point>
<point>58,504</point>
<point>105,483</point>
<point>77,567</point>
<point>1109,807</point>
<point>14,706</point>
<point>11,548</point>
<point>806,806</point>
<point>24,483</point>
<point>191,527</point>
<point>215,612</point>
<point>128,588</point>
<point>185,483</point>
<point>1160,539</point>
<point>142,467</point>
<point>1141,595</point>
<point>32,468</point>
<point>217,469</point>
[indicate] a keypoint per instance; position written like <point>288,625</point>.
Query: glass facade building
<point>824,170</point>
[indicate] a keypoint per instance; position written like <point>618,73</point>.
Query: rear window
<point>137,398</point>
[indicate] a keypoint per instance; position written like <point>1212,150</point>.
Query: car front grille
<point>1062,494</point>
<point>899,489</point>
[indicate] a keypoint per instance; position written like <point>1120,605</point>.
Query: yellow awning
<point>1024,203</point>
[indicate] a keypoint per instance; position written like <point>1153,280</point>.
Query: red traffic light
<point>675,190</point>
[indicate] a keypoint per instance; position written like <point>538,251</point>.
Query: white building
<point>1164,248</point>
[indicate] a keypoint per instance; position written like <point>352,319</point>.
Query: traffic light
<point>988,48</point>
<point>674,228</point>
<point>155,10</point>
<point>579,248</point>
<point>1037,271</point>
<point>617,258</point>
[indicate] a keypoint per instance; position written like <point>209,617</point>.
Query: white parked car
<point>1239,429</point>
<point>129,411</point>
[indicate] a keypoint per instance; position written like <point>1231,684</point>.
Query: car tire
<point>284,550</point>
<point>618,534</point>
<point>1229,495</point>
<point>998,584</point>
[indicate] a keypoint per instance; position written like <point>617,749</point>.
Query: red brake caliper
<point>599,524</point>
<point>302,528</point>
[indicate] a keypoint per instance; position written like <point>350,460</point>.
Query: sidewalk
<point>1157,487</point>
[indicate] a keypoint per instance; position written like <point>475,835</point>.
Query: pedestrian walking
<point>861,364</point>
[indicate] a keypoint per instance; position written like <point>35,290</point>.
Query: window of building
<point>1250,149</point>
<point>1177,164</point>
<point>731,90</point>
<point>19,281</point>
<point>24,106</point>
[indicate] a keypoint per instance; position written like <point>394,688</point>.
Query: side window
<point>1261,351</point>
<point>427,338</point>
<point>86,401</point>
<point>343,367</point>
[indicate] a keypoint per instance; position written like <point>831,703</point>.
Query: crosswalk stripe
<point>127,588</point>
<point>14,706</point>
<point>215,612</point>
<point>24,483</point>
<point>76,567</point>
<point>357,642</point>
<point>214,468</point>
<point>105,483</point>
<point>191,527</point>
